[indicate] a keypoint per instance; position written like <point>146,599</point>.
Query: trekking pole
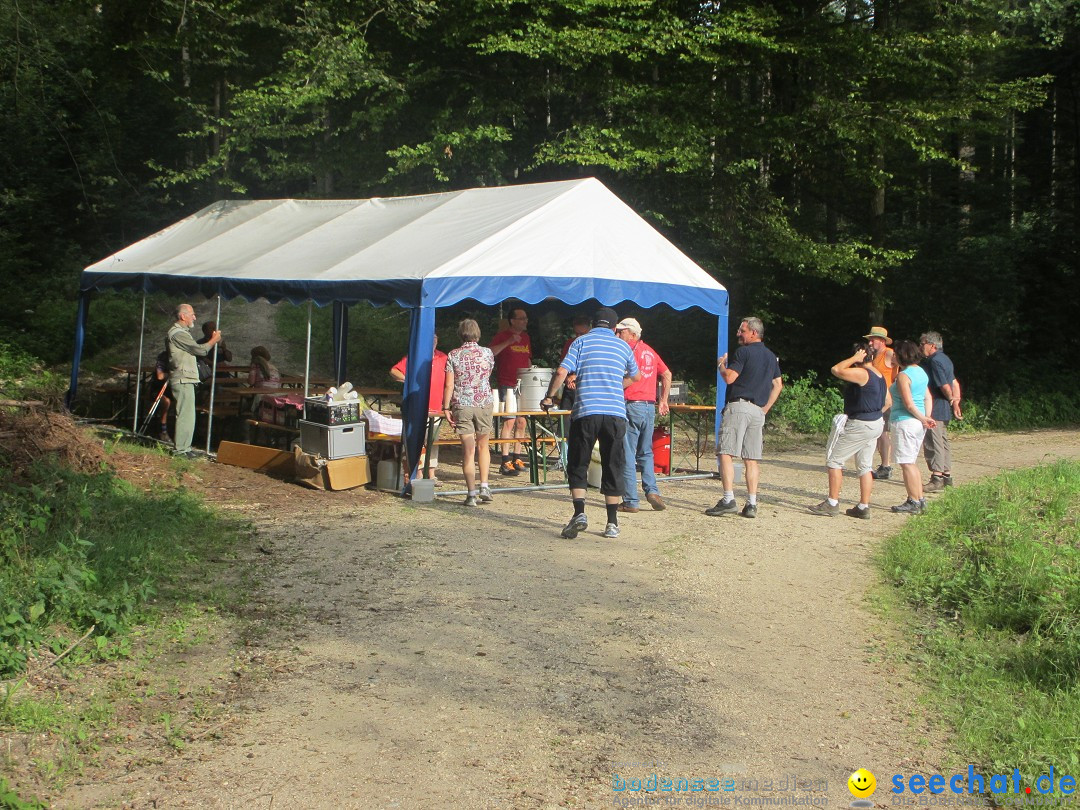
<point>153,408</point>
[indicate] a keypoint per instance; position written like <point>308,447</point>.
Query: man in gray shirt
<point>184,373</point>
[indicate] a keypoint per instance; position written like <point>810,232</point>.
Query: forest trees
<point>831,162</point>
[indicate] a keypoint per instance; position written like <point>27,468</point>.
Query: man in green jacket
<point>184,373</point>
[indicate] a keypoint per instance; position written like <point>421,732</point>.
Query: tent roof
<point>573,240</point>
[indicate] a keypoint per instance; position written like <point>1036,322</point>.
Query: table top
<point>552,412</point>
<point>691,408</point>
<point>133,369</point>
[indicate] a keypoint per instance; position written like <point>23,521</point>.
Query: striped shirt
<point>600,360</point>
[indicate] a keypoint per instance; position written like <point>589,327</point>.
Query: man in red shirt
<point>641,407</point>
<point>435,393</point>
<point>513,352</point>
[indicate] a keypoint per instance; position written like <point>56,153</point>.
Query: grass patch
<point>993,573</point>
<point>80,551</point>
<point>153,575</point>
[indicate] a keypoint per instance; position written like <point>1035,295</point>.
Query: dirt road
<point>448,657</point>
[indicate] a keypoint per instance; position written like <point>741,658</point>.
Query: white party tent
<point>571,240</point>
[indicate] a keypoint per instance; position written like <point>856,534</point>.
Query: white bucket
<point>423,490</point>
<point>533,385</point>
<point>596,469</point>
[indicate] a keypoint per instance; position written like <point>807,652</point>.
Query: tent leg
<point>414,407</point>
<point>80,337</point>
<point>138,374</point>
<point>213,381</point>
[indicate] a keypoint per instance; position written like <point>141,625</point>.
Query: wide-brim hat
<point>879,332</point>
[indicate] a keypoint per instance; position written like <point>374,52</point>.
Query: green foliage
<point>806,407</point>
<point>832,164</point>
<point>1014,410</point>
<point>22,377</point>
<point>10,800</point>
<point>377,338</point>
<point>992,570</point>
<point>88,550</point>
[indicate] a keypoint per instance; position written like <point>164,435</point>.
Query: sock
<point>484,485</point>
<point>506,459</point>
<point>833,501</point>
<point>613,513</point>
<point>751,499</point>
<point>729,494</point>
<point>473,493</point>
<point>579,506</point>
<point>864,506</point>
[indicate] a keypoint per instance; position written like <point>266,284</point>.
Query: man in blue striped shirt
<point>604,366</point>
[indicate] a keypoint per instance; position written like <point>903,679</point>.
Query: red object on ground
<point>661,448</point>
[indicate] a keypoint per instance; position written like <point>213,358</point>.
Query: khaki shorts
<point>469,420</point>
<point>858,438</point>
<point>740,432</point>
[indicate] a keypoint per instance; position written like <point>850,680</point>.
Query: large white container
<point>596,468</point>
<point>388,475</point>
<point>423,490</point>
<point>533,385</point>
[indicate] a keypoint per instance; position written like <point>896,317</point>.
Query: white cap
<point>631,324</point>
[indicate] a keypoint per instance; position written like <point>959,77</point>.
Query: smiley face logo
<point>862,784</point>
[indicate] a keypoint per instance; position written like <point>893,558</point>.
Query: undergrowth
<point>993,572</point>
<point>80,551</point>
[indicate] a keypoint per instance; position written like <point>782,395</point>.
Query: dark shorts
<point>610,432</point>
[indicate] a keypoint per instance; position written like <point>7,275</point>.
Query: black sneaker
<point>882,473</point>
<point>825,508</point>
<point>749,511</point>
<point>507,468</point>
<point>910,507</point>
<point>578,523</point>
<point>723,508</point>
<point>860,512</point>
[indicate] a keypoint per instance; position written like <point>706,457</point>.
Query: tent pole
<point>307,355</point>
<point>414,406</point>
<point>721,384</point>
<point>213,380</point>
<point>80,337</point>
<point>138,373</point>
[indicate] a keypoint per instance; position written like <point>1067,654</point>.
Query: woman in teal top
<point>908,422</point>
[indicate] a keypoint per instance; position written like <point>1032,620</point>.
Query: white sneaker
<point>485,495</point>
<point>611,530</point>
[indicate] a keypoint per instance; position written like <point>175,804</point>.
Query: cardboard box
<point>332,441</point>
<point>348,473</point>
<point>343,473</point>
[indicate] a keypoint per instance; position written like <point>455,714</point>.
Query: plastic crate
<point>332,441</point>
<point>322,412</point>
<point>678,394</point>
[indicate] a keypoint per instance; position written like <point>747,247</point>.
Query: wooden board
<point>253,457</point>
